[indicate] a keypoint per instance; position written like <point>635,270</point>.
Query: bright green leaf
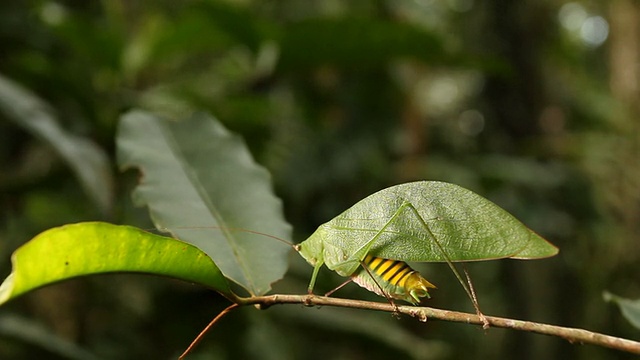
<point>87,160</point>
<point>630,308</point>
<point>95,248</point>
<point>196,174</point>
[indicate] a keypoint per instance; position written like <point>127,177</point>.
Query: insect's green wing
<point>420,220</point>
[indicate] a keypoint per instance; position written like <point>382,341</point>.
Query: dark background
<point>533,104</point>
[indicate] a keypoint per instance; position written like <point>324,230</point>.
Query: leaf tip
<point>6,289</point>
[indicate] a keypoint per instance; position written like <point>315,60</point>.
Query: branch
<point>572,335</point>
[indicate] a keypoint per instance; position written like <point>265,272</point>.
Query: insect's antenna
<point>223,228</point>
<point>198,338</point>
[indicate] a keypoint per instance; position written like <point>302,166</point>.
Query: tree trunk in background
<point>518,31</point>
<point>623,51</point>
<point>624,67</point>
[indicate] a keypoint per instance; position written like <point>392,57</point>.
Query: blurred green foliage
<point>531,104</point>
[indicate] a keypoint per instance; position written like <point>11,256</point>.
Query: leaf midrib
<point>194,179</point>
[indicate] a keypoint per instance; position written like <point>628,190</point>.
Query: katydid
<point>425,221</point>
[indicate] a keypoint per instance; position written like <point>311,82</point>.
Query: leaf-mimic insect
<point>425,221</point>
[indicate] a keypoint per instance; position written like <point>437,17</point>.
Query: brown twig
<point>573,335</point>
<point>198,338</point>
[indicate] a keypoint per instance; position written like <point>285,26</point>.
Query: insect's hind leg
<point>483,319</point>
<point>396,311</point>
<point>338,287</point>
<point>468,285</point>
<point>377,284</point>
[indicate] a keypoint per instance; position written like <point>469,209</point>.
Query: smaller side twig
<point>198,338</point>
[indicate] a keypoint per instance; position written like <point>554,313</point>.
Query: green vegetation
<point>532,105</point>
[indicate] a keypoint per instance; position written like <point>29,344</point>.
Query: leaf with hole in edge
<point>630,308</point>
<point>201,183</point>
<point>91,248</point>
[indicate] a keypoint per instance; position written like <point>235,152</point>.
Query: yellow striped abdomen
<point>394,278</point>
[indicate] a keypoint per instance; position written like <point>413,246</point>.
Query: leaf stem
<point>573,335</point>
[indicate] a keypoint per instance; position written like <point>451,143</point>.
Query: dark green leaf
<point>37,335</point>
<point>197,174</point>
<point>630,308</point>
<point>354,43</point>
<point>87,160</point>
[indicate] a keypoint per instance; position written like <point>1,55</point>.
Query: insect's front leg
<point>314,276</point>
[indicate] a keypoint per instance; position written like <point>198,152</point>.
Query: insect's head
<point>418,287</point>
<point>312,248</point>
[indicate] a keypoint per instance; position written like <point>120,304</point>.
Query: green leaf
<point>630,308</point>
<point>86,159</point>
<point>447,218</point>
<point>95,248</point>
<point>37,335</point>
<point>196,174</point>
<point>357,43</point>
